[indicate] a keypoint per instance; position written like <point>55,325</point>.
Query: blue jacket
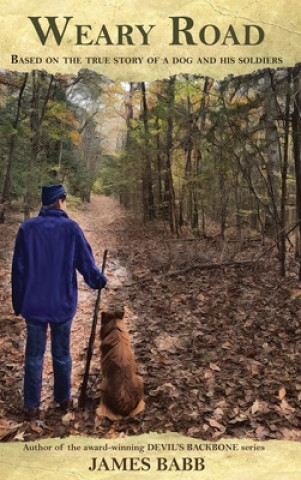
<point>48,250</point>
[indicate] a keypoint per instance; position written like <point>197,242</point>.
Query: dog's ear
<point>112,315</point>
<point>106,317</point>
<point>119,314</point>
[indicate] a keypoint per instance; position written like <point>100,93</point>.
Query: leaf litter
<point>219,349</point>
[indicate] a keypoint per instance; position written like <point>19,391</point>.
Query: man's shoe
<point>66,405</point>
<point>31,414</point>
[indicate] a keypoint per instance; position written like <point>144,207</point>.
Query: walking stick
<point>82,397</point>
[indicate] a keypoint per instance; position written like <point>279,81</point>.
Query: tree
<point>169,194</point>
<point>149,210</point>
<point>296,126</point>
<point>5,197</point>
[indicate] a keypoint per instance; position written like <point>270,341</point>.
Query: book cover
<point>186,115</point>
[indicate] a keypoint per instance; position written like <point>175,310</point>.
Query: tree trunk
<point>5,197</point>
<point>196,194</point>
<point>198,157</point>
<point>148,197</point>
<point>129,114</point>
<point>169,192</point>
<point>159,165</point>
<point>296,124</point>
<point>187,188</point>
<point>286,123</point>
<point>273,149</point>
<point>34,142</point>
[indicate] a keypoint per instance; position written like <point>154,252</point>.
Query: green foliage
<point>221,165</point>
<point>192,144</point>
<point>41,132</point>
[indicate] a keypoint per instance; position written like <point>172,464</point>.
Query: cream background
<point>279,460</point>
<point>280,19</point>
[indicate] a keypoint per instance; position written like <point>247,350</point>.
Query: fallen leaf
<point>20,437</point>
<point>214,367</point>
<point>218,412</point>
<point>239,419</point>
<point>193,431</point>
<point>286,408</point>
<point>281,393</point>
<point>295,294</point>
<point>66,419</point>
<point>215,424</point>
<point>201,298</point>
<point>261,432</point>
<point>255,407</point>
<point>35,428</point>
<point>7,429</point>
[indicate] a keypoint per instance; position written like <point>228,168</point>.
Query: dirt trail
<point>104,223</point>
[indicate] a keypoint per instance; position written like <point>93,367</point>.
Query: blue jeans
<point>34,357</point>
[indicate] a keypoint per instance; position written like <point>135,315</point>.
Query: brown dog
<point>122,388</point>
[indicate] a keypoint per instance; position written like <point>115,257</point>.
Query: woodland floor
<point>219,348</point>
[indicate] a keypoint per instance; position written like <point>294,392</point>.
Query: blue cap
<point>52,193</point>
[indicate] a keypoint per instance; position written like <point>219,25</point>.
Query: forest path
<point>219,349</point>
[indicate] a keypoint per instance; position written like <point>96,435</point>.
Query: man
<point>48,250</point>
